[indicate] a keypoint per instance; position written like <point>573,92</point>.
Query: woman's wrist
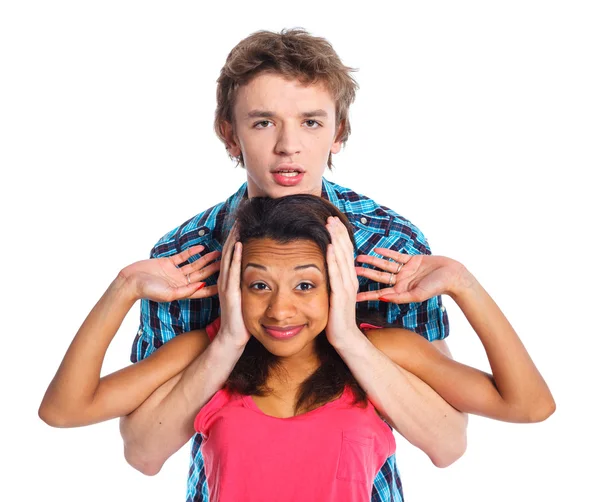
<point>124,286</point>
<point>464,282</point>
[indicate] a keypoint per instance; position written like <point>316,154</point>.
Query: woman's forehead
<point>270,253</point>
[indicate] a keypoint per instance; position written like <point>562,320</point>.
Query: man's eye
<point>312,124</point>
<point>262,124</point>
<point>305,286</point>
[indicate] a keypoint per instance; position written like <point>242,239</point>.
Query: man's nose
<point>288,141</point>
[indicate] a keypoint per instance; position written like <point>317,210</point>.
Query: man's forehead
<point>274,93</point>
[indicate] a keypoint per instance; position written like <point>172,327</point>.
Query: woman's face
<point>285,302</point>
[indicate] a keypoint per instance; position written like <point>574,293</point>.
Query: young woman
<point>291,414</point>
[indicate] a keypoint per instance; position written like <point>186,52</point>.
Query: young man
<point>282,111</point>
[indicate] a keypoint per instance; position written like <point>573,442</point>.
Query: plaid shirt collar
<point>327,192</point>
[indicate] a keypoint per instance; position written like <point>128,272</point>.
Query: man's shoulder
<point>377,225</point>
<point>205,228</point>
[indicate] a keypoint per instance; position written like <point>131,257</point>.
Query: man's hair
<point>288,219</point>
<point>293,54</point>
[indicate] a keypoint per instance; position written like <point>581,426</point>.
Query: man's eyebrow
<point>267,114</point>
<point>314,113</point>
<point>263,114</point>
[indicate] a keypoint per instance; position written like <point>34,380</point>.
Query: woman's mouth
<point>283,332</point>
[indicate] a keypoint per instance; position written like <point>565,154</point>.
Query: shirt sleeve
<point>159,323</point>
<point>429,319</point>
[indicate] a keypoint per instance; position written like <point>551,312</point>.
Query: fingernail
<point>200,286</point>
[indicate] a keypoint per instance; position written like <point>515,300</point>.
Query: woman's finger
<point>186,254</point>
<point>233,281</point>
<point>204,273</point>
<point>200,263</point>
<point>228,254</point>
<point>374,295</point>
<point>205,292</point>
<point>341,254</point>
<point>385,265</point>
<point>335,281</point>
<point>387,278</point>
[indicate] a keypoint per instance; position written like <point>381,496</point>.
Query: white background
<point>478,121</point>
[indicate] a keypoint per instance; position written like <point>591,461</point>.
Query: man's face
<point>285,131</point>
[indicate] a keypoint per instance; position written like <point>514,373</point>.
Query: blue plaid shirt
<point>374,226</point>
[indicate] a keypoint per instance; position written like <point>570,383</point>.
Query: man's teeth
<point>289,174</point>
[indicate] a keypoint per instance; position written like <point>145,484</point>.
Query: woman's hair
<point>293,54</point>
<point>284,220</point>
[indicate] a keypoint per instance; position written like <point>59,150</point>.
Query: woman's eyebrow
<point>310,265</point>
<point>299,267</point>
<point>255,265</point>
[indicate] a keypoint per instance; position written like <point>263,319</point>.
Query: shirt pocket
<point>356,457</point>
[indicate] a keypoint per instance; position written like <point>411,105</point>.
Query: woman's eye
<point>305,286</point>
<point>259,286</point>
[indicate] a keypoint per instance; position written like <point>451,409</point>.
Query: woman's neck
<point>292,371</point>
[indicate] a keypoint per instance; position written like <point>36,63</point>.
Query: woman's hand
<point>343,283</point>
<point>411,278</point>
<point>230,294</point>
<point>162,280</point>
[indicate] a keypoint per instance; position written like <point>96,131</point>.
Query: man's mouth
<point>288,174</point>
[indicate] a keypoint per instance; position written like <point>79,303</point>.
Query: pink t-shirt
<point>331,453</point>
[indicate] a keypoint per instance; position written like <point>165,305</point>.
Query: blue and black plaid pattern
<point>374,226</point>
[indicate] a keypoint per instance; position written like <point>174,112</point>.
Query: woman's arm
<point>77,395</point>
<point>515,392</point>
<point>165,422</point>
<point>407,404</point>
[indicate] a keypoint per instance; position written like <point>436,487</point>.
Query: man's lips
<point>288,167</point>
<point>288,174</point>
<point>283,332</point>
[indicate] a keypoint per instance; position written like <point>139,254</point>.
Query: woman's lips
<point>283,332</point>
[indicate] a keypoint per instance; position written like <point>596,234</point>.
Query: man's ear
<point>337,144</point>
<point>231,142</point>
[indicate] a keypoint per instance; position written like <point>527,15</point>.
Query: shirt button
<point>363,220</point>
<point>202,232</point>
